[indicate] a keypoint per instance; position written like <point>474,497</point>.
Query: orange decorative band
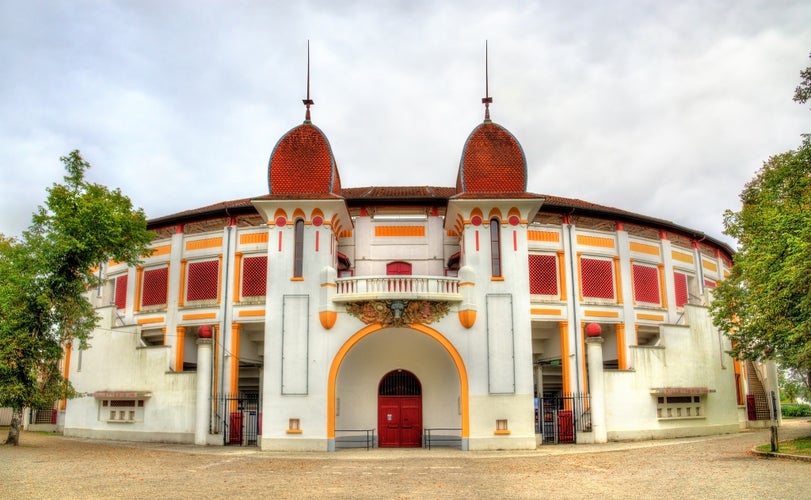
<point>595,241</point>
<point>161,250</point>
<point>545,312</point>
<point>682,257</point>
<point>643,248</point>
<point>251,312</point>
<point>400,231</point>
<point>602,314</point>
<point>146,321</point>
<point>210,315</point>
<point>548,236</point>
<point>650,317</point>
<point>710,265</point>
<point>247,239</point>
<point>206,243</point>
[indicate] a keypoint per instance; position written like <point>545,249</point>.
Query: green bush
<point>796,410</point>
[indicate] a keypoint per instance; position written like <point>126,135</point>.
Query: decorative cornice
<point>386,312</point>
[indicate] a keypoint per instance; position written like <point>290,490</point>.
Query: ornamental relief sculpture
<point>398,312</point>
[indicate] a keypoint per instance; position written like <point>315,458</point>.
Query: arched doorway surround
<point>368,330</point>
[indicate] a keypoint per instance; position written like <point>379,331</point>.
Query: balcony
<point>366,288</point>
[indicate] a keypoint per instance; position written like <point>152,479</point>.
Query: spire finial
<point>308,102</point>
<point>486,100</point>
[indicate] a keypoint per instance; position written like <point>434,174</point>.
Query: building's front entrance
<point>399,410</point>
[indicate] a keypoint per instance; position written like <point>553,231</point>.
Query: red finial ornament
<point>204,331</point>
<point>308,102</point>
<point>486,100</point>
<point>593,330</point>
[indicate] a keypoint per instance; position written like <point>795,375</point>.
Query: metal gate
<point>241,418</point>
<point>560,416</point>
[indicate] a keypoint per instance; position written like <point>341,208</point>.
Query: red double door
<point>399,421</point>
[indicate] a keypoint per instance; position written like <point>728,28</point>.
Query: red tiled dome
<point>492,162</point>
<point>302,163</point>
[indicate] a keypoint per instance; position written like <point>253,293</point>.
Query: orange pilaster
<point>180,345</point>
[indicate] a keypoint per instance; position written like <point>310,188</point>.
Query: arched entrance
<point>351,345</point>
<point>399,410</point>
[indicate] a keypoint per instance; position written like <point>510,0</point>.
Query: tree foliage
<point>765,303</point>
<point>803,91</point>
<point>45,277</point>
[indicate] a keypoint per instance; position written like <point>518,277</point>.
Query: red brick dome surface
<point>492,162</point>
<point>302,163</point>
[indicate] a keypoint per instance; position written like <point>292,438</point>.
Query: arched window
<point>495,247</point>
<point>399,383</point>
<point>298,251</point>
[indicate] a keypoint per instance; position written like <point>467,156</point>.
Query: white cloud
<point>665,109</point>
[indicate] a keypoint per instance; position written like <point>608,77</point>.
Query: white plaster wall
<point>690,356</point>
<point>115,362</point>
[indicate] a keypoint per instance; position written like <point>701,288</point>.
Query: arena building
<point>482,316</point>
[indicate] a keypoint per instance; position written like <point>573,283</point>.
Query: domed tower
<point>490,214</point>
<point>304,212</point>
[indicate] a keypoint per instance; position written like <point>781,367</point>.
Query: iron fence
<point>239,417</point>
<point>559,417</point>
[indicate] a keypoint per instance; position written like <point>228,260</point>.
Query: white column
<point>594,353</point>
<point>203,390</point>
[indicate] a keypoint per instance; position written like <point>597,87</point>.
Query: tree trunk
<point>14,430</point>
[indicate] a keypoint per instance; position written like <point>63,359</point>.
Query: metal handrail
<point>368,438</point>
<point>429,437</point>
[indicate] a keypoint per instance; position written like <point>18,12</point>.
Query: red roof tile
<point>302,162</point>
<point>492,161</point>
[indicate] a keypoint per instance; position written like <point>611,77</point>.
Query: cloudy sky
<point>657,107</point>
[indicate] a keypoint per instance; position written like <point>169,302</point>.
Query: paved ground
<point>49,466</point>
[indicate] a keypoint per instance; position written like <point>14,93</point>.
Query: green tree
<point>765,303</point>
<point>45,278</point>
<point>803,91</point>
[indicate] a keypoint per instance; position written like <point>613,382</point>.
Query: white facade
<point>404,312</point>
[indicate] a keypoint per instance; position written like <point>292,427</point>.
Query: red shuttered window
<point>155,282</point>
<point>121,292</point>
<point>597,278</point>
<point>646,284</point>
<point>680,284</point>
<point>203,280</point>
<point>254,276</point>
<point>543,275</point>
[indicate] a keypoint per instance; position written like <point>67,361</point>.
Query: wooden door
<point>399,422</point>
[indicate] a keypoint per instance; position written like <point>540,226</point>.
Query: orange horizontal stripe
<point>643,248</point>
<point>546,312</point>
<point>206,243</point>
<point>399,231</point>
<point>252,312</point>
<point>602,314</point>
<point>651,317</point>
<point>549,236</point>
<point>682,257</point>
<point>145,321</point>
<point>247,239</point>
<point>595,241</point>
<point>210,315</point>
<point>161,250</point>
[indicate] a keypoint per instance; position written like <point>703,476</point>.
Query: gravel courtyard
<point>50,466</point>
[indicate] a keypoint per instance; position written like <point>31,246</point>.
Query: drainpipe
<point>575,305</point>
<point>225,320</point>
